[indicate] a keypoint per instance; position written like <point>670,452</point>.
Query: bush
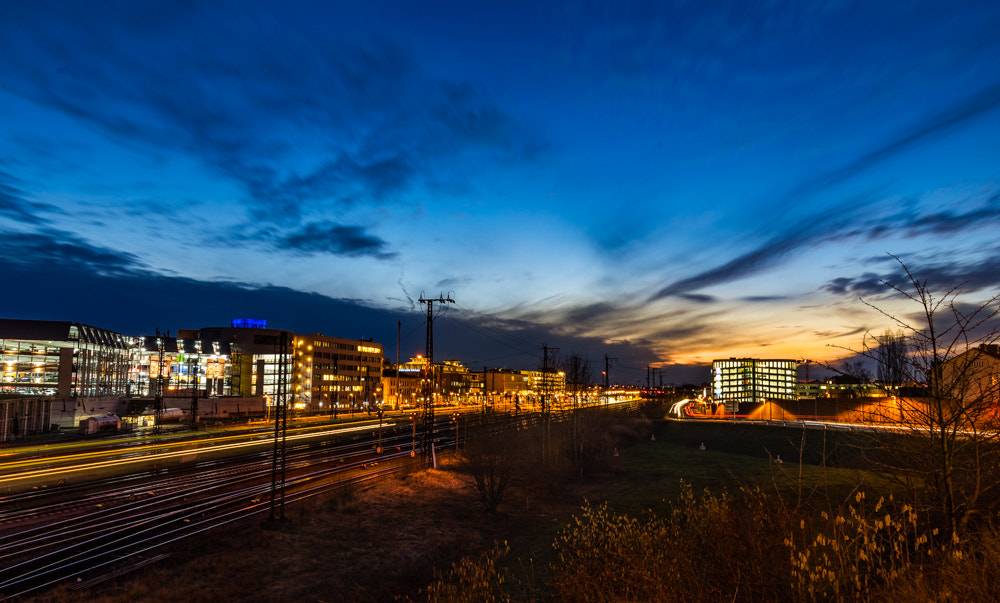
<point>708,549</point>
<point>471,580</point>
<point>850,554</point>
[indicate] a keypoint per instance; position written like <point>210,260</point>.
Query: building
<point>335,372</point>
<point>403,385</point>
<point>56,373</point>
<point>550,383</point>
<point>65,359</point>
<point>835,387</point>
<point>186,365</point>
<point>260,358</point>
<point>751,381</point>
<point>973,377</point>
<point>454,381</point>
<point>507,386</point>
<point>451,383</point>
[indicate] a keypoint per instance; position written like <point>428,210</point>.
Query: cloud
<point>52,249</point>
<point>334,239</point>
<point>842,334</point>
<point>764,299</point>
<point>909,221</point>
<point>970,275</point>
<point>947,222</point>
<point>14,206</point>
<point>830,224</point>
<point>748,263</point>
<point>241,90</point>
<point>867,284</point>
<point>448,284</point>
<point>697,298</point>
<point>958,115</point>
<point>115,291</point>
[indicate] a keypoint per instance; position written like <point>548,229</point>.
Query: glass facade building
<point>65,359</point>
<point>748,380</point>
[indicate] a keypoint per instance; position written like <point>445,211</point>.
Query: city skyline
<point>663,183</point>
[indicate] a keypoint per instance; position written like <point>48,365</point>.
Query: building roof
<point>59,331</point>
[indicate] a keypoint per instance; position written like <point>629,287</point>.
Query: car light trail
<point>152,455</point>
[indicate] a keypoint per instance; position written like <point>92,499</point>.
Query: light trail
<point>166,454</point>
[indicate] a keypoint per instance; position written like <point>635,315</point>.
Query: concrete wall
<point>20,417</point>
<point>208,408</point>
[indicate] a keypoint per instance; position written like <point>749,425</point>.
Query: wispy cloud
<point>240,96</point>
<point>321,237</point>
<point>15,206</point>
<point>51,248</point>
<point>334,239</point>
<point>981,212</point>
<point>831,224</point>
<point>939,274</point>
<point>746,264</point>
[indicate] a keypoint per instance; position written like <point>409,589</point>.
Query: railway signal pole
<point>280,431</point>
<point>158,393</point>
<point>428,439</point>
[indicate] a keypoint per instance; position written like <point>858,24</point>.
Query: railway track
<point>81,535</point>
<point>78,541</point>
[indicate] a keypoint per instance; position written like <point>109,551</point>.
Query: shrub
<point>707,549</point>
<point>854,554</point>
<point>472,580</point>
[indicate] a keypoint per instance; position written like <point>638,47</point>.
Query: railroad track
<point>80,548</point>
<point>83,535</point>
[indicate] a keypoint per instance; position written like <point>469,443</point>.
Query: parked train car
<point>94,425</point>
<point>169,415</point>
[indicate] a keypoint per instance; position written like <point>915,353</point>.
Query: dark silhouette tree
<point>947,449</point>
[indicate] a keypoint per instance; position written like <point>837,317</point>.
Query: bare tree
<point>948,451</point>
<point>858,370</point>
<point>891,356</point>
<point>487,456</point>
<point>579,374</point>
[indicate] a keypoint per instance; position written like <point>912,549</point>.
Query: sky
<point>661,183</point>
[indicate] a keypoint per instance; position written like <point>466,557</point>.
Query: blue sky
<point>664,182</point>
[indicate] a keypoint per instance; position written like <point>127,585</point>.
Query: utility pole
<point>607,374</point>
<point>399,325</point>
<point>429,382</point>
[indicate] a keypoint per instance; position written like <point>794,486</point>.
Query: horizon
<point>661,183</point>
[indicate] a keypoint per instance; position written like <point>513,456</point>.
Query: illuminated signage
<point>249,323</point>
